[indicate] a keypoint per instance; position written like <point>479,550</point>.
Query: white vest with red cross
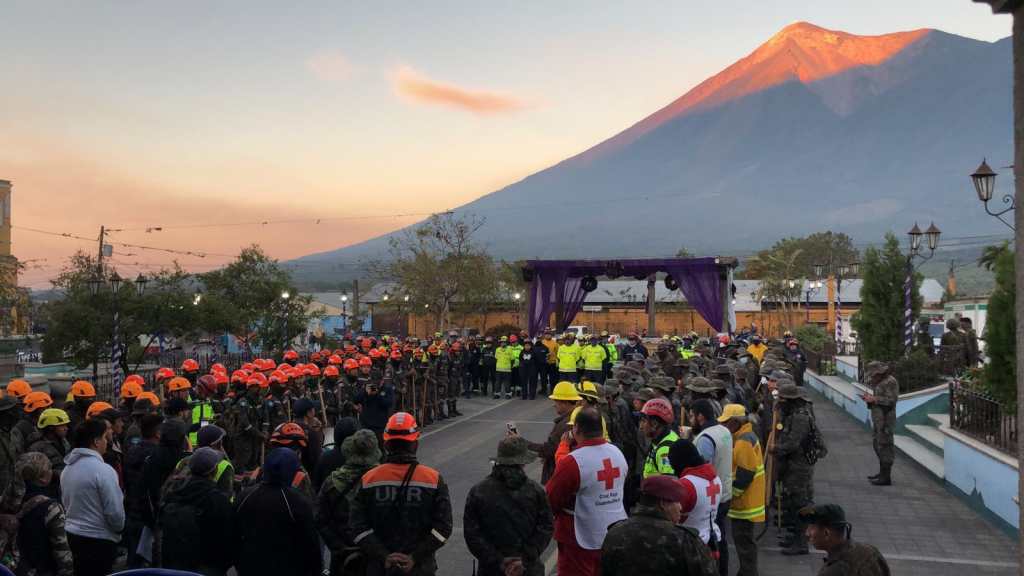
<point>599,504</point>
<point>702,517</point>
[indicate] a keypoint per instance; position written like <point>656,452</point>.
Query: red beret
<point>663,487</point>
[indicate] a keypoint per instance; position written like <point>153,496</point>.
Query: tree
<point>437,262</point>
<point>247,299</point>
<point>779,282</point>
<point>818,248</point>
<point>684,253</point>
<point>1001,327</point>
<point>879,322</point>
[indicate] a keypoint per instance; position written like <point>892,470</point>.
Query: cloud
<point>415,87</point>
<point>329,66</point>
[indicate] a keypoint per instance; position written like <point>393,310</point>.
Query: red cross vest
<point>599,504</point>
<point>708,490</point>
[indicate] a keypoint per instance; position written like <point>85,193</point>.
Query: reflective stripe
<point>361,536</point>
<point>439,536</point>
<point>737,492</point>
<point>746,514</point>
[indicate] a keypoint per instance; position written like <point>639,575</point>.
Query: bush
<point>812,337</point>
<point>500,330</point>
<point>917,372</point>
<point>1000,334</point>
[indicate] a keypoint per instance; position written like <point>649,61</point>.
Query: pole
<point>831,304</point>
<point>651,283</point>
<point>908,307</point>
<point>99,275</point>
<point>1018,178</point>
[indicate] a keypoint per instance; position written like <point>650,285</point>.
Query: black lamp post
<point>984,179</point>
<point>916,236</point>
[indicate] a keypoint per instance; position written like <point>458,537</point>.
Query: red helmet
<point>255,382</point>
<point>248,367</point>
<point>311,370</point>
<point>331,372</point>
<point>262,378</point>
<point>456,346</point>
<point>190,365</point>
<point>278,377</point>
<point>218,368</point>
<point>334,360</point>
<point>164,374</point>
<point>723,339</point>
<point>207,384</point>
<point>349,348</point>
<point>135,378</point>
<point>289,434</point>
<point>351,364</point>
<point>374,354</point>
<point>396,354</point>
<point>365,361</point>
<point>291,355</point>
<point>314,357</point>
<point>402,426</point>
<point>222,380</point>
<point>365,343</point>
<point>513,339</point>
<point>659,408</point>
<point>283,366</point>
<point>239,376</point>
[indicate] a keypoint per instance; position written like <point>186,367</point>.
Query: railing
<point>982,417</point>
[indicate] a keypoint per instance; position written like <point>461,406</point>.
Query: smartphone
<point>511,427</point>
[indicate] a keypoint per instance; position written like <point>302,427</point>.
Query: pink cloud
<point>329,66</point>
<point>415,87</point>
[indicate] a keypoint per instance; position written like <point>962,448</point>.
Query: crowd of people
<point>659,459</point>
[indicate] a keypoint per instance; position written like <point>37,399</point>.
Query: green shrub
<point>812,337</point>
<point>917,372</point>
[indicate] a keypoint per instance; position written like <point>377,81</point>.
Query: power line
<point>68,235</point>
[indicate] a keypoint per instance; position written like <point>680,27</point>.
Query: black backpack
<point>180,536</point>
<point>814,446</point>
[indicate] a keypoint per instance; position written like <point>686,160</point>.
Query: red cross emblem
<point>608,474</point>
<point>713,491</point>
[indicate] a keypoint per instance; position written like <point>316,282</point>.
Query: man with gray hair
<point>42,541</point>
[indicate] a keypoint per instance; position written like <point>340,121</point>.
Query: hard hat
<point>589,390</point>
<point>189,365</point>
<point>178,383</point>
<point>291,355</point>
<point>730,411</point>
<point>331,372</point>
<point>365,361</point>
<point>221,379</point>
<point>289,434</point>
<point>207,383</point>
<point>311,370</point>
<point>349,348</point>
<point>351,364</point>
<point>513,339</point>
<point>135,378</point>
<point>97,408</point>
<point>255,382</point>
<point>374,354</point>
<point>396,354</point>
<point>659,408</point>
<point>401,426</point>
<point>315,357</point>
<point>433,350</point>
<point>218,368</point>
<point>153,399</point>
<point>240,376</point>
<point>334,359</point>
<point>164,374</point>
<point>284,367</point>
<point>131,389</point>
<point>278,377</point>
<point>503,339</point>
<point>53,417</point>
<point>82,389</point>
<point>18,388</point>
<point>566,391</point>
<point>36,401</point>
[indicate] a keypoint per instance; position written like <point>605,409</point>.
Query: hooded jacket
<point>214,520</point>
<point>91,496</point>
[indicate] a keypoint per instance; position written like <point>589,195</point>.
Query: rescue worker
<point>829,532</point>
<point>565,398</point>
<point>656,424</point>
<point>885,392</point>
<point>361,453</point>
<point>714,442</point>
<point>568,356</point>
<point>515,349</point>
<point>26,431</point>
<point>651,542</point>
<point>132,386</point>
<point>179,387</point>
<point>586,495</point>
<point>549,377</point>
<point>507,521</point>
<point>53,443</point>
<point>503,369</point>
<point>594,358</point>
<point>401,512</point>
<point>747,507</point>
<point>795,472</point>
<point>757,348</point>
<point>202,408</point>
<point>83,394</point>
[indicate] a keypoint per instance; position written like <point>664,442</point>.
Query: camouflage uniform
<point>247,433</point>
<point>12,488</point>
<point>274,413</point>
<point>883,417</point>
<point>855,558</point>
<point>38,556</point>
<point>649,544</point>
<point>24,434</point>
<point>441,368</point>
<point>55,449</point>
<point>332,511</point>
<point>795,472</point>
<point>456,382</point>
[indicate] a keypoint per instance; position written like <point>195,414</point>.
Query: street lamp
<point>406,298</point>
<point>285,295</point>
<point>984,179</point>
<point>94,285</point>
<point>115,283</point>
<point>932,235</point>
<point>140,285</point>
<point>386,297</point>
<point>344,311</point>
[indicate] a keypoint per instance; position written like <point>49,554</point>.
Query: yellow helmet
<point>53,417</point>
<point>589,390</point>
<point>566,391</point>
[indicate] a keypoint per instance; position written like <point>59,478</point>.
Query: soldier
<point>42,542</point>
<point>488,364</point>
<point>829,532</point>
<point>651,542</point>
<point>53,443</point>
<point>246,429</point>
<point>795,471</point>
<point>882,402</point>
<point>12,488</point>
<point>507,519</point>
<point>361,453</point>
<point>970,338</point>
<point>401,513</point>
<point>954,346</point>
<point>456,378</point>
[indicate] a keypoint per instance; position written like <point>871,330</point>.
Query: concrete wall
<point>846,395</point>
<point>987,478</point>
<point>846,366</point>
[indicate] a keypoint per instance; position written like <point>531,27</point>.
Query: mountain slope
<point>816,129</point>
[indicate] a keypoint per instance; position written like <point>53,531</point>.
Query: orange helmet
<point>365,343</point>
<point>255,382</point>
<point>97,408</point>
<point>291,355</point>
<point>130,389</point>
<point>135,378</point>
<point>153,398</point>
<point>248,367</point>
<point>402,426</point>
<point>289,434</point>
<point>239,376</point>
<point>18,388</point>
<point>178,383</point>
<point>190,365</point>
<point>351,364</point>
<point>334,359</point>
<point>349,348</point>
<point>331,372</point>
<point>315,357</point>
<point>365,361</point>
<point>374,354</point>
<point>283,366</point>
<point>218,368</point>
<point>82,389</point>
<point>311,370</point>
<point>262,378</point>
<point>396,354</point>
<point>278,377</point>
<point>221,379</point>
<point>164,374</point>
<point>37,401</point>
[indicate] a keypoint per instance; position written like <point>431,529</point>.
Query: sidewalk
<point>917,525</point>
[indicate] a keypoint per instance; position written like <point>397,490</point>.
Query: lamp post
<point>116,352</point>
<point>835,273</point>
<point>285,297</point>
<point>812,288</point>
<point>915,235</point>
<point>984,179</point>
<point>516,298</point>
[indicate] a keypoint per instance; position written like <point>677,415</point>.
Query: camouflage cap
<point>789,391</point>
<point>700,385</point>
<point>645,394</point>
<point>718,385</point>
<point>824,515</point>
<point>635,365</point>
<point>361,449</point>
<point>876,368</point>
<point>805,394</point>
<point>514,451</point>
<point>663,383</point>
<point>612,387</point>
<point>723,370</point>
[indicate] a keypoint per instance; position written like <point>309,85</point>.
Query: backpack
<point>180,535</point>
<point>814,446</point>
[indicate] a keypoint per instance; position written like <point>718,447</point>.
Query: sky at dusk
<point>148,114</point>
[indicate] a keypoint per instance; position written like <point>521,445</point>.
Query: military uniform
<point>24,434</point>
<point>332,512</point>
<point>55,449</point>
<point>456,382</point>
<point>795,472</point>
<point>855,559</point>
<point>886,392</point>
<point>37,556</point>
<point>12,488</point>
<point>649,544</point>
<point>247,434</point>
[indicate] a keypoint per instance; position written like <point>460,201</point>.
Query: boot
<point>876,474</point>
<point>884,477</point>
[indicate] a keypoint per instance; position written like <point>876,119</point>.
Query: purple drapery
<point>700,280</point>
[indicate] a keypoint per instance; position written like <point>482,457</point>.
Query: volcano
<point>814,130</point>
